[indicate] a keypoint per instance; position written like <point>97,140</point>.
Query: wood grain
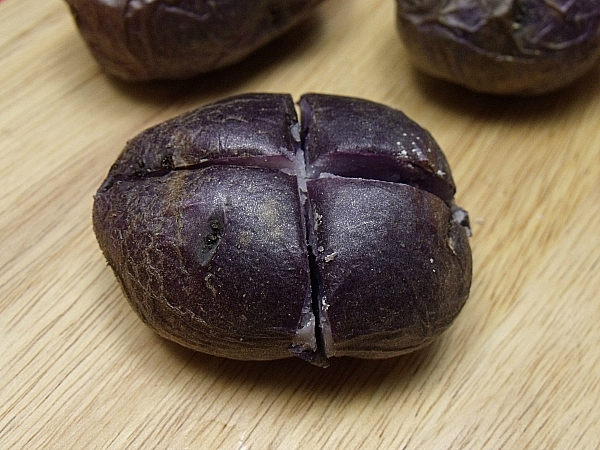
<point>520,367</point>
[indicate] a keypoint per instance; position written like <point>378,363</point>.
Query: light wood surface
<point>519,368</point>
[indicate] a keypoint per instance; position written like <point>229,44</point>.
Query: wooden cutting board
<point>519,368</point>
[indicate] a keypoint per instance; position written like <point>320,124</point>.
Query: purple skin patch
<point>172,39</point>
<point>503,46</point>
<point>240,231</point>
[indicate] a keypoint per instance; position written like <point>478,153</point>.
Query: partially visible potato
<point>161,39</point>
<point>502,46</point>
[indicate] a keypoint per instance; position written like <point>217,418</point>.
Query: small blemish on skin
<point>209,280</point>
<point>451,244</point>
<point>330,257</point>
<point>318,218</point>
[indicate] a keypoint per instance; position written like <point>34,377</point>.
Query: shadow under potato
<point>344,375</point>
<point>512,108</point>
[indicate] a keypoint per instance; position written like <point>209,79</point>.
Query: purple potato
<point>502,46</point>
<point>239,231</point>
<point>172,39</point>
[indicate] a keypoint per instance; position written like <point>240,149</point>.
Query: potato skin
<point>206,256</point>
<point>238,231</point>
<point>394,266</point>
<point>378,243</point>
<point>174,39</point>
<point>522,47</point>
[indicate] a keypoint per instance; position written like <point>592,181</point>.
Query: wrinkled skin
<point>163,39</point>
<point>502,46</point>
<point>239,231</point>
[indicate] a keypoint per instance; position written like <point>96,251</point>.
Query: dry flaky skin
<point>502,46</point>
<point>223,244</point>
<point>160,39</point>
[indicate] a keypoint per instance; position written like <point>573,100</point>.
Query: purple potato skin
<point>204,236</point>
<point>379,241</point>
<point>141,40</point>
<point>238,231</point>
<point>521,47</point>
<point>405,245</point>
<point>206,256</point>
